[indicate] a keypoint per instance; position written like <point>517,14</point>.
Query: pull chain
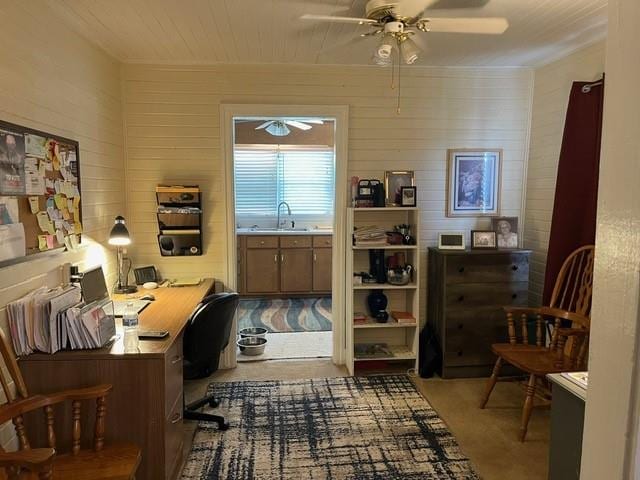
<point>399,65</point>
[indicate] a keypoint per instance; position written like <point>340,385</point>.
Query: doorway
<point>284,185</point>
<point>285,219</point>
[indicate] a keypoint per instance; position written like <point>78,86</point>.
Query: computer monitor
<point>94,286</point>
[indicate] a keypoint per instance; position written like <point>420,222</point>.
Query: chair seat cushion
<point>531,358</point>
<point>113,462</point>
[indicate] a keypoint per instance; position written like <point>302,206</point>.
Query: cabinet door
<point>295,267</point>
<point>322,270</point>
<point>262,272</point>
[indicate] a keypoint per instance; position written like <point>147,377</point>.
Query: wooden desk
<point>145,406</point>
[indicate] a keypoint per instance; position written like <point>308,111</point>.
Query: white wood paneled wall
<point>552,85</point>
<point>172,135</point>
<point>53,80</point>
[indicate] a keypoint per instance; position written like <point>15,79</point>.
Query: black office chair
<point>206,335</point>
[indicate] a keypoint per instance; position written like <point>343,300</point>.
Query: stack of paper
<point>51,320</point>
<point>370,236</point>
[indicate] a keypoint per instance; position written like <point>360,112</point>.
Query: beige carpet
<point>293,345</point>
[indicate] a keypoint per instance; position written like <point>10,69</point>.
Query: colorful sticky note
<point>65,214</point>
<point>50,241</point>
<point>74,241</point>
<point>42,242</point>
<point>77,228</point>
<point>60,200</point>
<point>76,216</point>
<point>43,220</point>
<point>59,237</point>
<point>67,243</point>
<point>76,202</point>
<point>34,204</point>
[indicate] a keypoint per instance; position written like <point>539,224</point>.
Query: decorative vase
<point>377,302</point>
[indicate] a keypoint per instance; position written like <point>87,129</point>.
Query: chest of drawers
<point>466,293</point>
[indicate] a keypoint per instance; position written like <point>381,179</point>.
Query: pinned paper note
<point>59,237</point>
<point>43,220</point>
<point>50,241</point>
<point>48,166</point>
<point>76,216</point>
<point>9,211</point>
<point>65,214</point>
<point>60,200</point>
<point>34,180</point>
<point>70,206</point>
<point>77,228</point>
<point>35,145</point>
<point>76,202</point>
<point>50,187</point>
<point>34,204</point>
<point>42,242</point>
<point>74,241</point>
<point>67,243</point>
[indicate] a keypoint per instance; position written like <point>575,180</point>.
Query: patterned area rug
<point>359,428</point>
<point>281,315</point>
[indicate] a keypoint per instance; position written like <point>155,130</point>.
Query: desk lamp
<point>119,237</point>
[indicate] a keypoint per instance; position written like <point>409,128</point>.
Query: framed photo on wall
<point>506,229</point>
<point>408,196</point>
<point>473,182</point>
<point>393,183</point>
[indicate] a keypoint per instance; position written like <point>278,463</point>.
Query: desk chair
<point>206,335</point>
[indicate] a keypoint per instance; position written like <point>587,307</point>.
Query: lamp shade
<point>119,234</point>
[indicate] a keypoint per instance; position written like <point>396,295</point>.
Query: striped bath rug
<point>282,315</point>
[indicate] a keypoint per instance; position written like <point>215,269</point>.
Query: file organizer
<point>179,215</point>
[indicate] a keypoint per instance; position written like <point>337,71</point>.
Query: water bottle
<point>130,326</point>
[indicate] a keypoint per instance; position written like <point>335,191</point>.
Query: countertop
<point>257,231</point>
<point>568,385</point>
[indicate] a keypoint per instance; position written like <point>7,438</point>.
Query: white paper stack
<point>51,320</point>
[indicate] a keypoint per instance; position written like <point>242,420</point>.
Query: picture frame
<point>483,240</point>
<point>506,229</point>
<point>394,180</point>
<point>451,241</point>
<point>408,196</point>
<point>473,182</point>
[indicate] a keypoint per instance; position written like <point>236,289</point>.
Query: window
<point>265,175</point>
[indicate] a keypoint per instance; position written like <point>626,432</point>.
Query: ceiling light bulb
<point>383,62</point>
<point>385,47</point>
<point>410,51</point>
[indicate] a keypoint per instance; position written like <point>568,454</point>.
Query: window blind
<point>301,176</point>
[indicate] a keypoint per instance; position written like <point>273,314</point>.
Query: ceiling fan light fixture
<point>278,129</point>
<point>385,47</point>
<point>410,51</point>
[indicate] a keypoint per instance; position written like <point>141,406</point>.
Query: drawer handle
<point>261,242</point>
<point>176,418</point>
<point>460,325</point>
<point>295,242</point>
<point>176,359</point>
<point>461,298</point>
<point>461,269</point>
<point>275,258</point>
<point>282,257</point>
<point>315,257</point>
<point>514,295</point>
<point>514,268</point>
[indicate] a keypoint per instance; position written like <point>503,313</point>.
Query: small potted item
<point>399,275</point>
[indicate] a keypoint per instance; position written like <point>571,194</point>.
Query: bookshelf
<point>401,338</point>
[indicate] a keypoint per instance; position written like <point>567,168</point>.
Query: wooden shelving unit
<point>401,339</point>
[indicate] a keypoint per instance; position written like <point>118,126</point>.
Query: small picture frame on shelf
<point>394,180</point>
<point>451,241</point>
<point>407,196</point>
<point>506,229</point>
<point>483,240</point>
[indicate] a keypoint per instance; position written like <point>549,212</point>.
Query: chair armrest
<point>86,393</point>
<point>35,460</point>
<point>570,332</point>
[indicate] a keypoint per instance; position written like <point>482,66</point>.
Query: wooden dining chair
<point>100,461</point>
<point>568,346</point>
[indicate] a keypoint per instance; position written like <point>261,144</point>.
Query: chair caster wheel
<point>214,403</point>
<point>223,426</point>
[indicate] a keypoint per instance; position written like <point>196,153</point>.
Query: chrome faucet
<point>288,212</point>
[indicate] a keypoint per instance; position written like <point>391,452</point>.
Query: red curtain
<point>574,211</point>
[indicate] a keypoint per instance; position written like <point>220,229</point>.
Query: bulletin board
<point>40,207</point>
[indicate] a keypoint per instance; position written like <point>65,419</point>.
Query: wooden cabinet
<point>296,265</point>
<point>322,269</point>
<point>284,264</point>
<point>262,270</point>
<point>467,290</point>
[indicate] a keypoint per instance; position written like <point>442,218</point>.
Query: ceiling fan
<point>399,22</point>
<point>279,128</point>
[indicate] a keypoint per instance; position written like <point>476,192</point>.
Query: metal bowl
<point>253,332</point>
<point>252,345</point>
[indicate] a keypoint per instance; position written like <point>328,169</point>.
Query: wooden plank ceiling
<point>270,31</point>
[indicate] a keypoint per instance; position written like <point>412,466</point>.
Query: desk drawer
<point>173,437</point>
<point>262,241</point>
<point>488,268</point>
<point>173,374</point>
<point>295,241</point>
<point>322,241</point>
<point>486,294</point>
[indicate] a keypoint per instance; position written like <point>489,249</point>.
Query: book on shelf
<point>403,317</point>
<point>359,318</point>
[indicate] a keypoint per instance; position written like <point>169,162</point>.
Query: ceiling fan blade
<point>453,4</point>
<point>489,26</point>
<point>408,9</point>
<point>300,125</point>
<point>330,18</point>
<point>315,121</point>
<point>264,125</point>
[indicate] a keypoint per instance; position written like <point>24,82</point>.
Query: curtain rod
<point>587,88</point>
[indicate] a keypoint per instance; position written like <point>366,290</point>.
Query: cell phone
<point>152,334</point>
